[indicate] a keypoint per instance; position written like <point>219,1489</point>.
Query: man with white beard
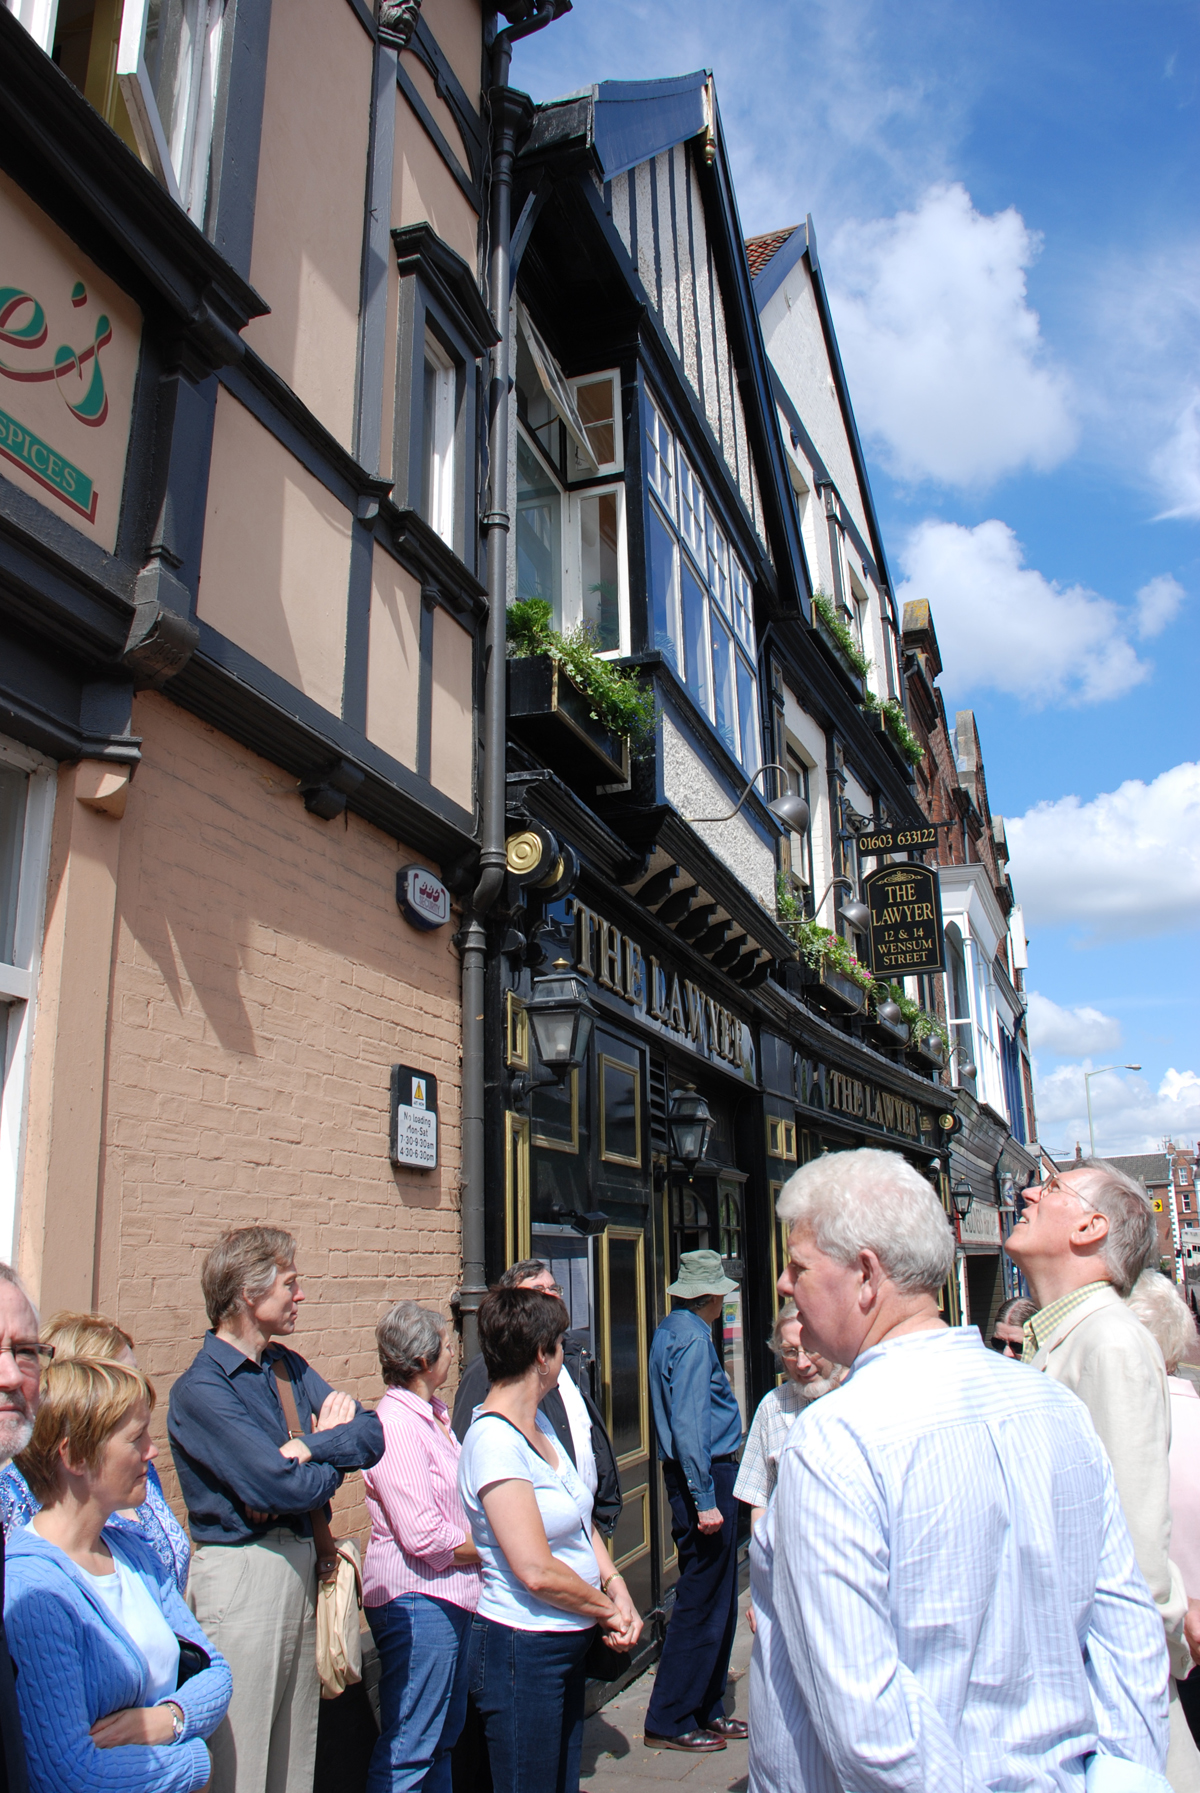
<point>947,1594</point>
<point>20,1384</point>
<point>807,1376</point>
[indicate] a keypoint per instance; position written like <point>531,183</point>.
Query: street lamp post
<point>1087,1090</point>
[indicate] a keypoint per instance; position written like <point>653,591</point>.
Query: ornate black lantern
<point>690,1124</point>
<point>962,1195</point>
<point>561,1017</point>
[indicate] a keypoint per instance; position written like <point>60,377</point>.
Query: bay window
<point>701,616</point>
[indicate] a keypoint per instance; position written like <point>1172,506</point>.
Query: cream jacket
<point>1111,1362</point>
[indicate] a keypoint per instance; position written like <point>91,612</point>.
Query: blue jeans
<point>528,1686</point>
<point>423,1660</point>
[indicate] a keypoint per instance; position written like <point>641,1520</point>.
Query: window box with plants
<point>825,965</point>
<point>585,714</point>
<point>892,724</point>
<point>835,632</point>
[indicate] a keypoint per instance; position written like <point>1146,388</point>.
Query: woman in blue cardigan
<point>110,1701</point>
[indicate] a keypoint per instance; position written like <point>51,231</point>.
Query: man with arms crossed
<point>946,1589</point>
<point>1083,1238</point>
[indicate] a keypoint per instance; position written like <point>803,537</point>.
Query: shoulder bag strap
<point>322,1535</point>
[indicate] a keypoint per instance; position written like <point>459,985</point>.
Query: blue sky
<point>1008,214</point>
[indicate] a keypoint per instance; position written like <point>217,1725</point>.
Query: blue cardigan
<point>76,1663</point>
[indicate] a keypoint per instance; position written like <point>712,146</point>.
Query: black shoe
<point>700,1743</point>
<point>735,1729</point>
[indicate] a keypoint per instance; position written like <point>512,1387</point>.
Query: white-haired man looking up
<point>946,1589</point>
<point>1081,1242</point>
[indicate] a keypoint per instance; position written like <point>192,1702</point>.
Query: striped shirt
<point>767,1436</point>
<point>947,1595</point>
<point>1041,1326</point>
<point>417,1518</point>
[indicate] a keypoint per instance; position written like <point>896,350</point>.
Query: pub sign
<point>905,934</point>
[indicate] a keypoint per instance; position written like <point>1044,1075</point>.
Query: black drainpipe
<point>511,112</point>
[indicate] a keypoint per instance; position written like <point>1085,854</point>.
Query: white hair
<point>1166,1316</point>
<point>1132,1239</point>
<point>873,1201</point>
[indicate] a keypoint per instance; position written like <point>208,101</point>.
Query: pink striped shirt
<point>417,1518</point>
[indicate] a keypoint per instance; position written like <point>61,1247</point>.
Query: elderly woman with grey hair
<point>421,1577</point>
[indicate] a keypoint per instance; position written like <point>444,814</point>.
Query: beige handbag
<point>339,1579</point>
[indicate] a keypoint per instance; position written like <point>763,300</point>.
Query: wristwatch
<point>178,1719</point>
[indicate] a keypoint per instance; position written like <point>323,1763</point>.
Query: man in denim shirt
<point>699,1427</point>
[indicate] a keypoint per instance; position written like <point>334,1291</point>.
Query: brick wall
<point>264,982</point>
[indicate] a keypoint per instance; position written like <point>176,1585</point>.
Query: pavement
<point>615,1756</point>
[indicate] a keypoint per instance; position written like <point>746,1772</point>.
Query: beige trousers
<point>257,1603</point>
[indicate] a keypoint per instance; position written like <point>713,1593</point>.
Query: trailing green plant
<point>786,906</point>
<point>922,1025</point>
<point>893,715</point>
<point>620,702</point>
<point>827,611</point>
<point>820,947</point>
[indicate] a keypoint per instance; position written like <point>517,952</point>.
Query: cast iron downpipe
<point>510,112</point>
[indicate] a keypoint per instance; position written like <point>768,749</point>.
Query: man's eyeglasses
<point>790,1354</point>
<point>28,1355</point>
<point>1003,1345</point>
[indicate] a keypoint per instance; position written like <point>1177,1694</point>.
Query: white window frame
<point>19,981</point>
<point>579,468</point>
<point>40,19</point>
<point>570,587</point>
<point>182,167</point>
<point>572,573</point>
<point>439,451</point>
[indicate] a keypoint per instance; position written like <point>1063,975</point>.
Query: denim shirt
<point>696,1415</point>
<point>226,1425</point>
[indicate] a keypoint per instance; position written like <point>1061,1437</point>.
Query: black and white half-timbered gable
<point>657,509</point>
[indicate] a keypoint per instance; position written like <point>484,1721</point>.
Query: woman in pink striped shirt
<point>421,1578</point>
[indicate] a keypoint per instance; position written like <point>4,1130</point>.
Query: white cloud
<point>1176,465</point>
<point>1158,603</point>
<point>1128,1114</point>
<point>1125,864</point>
<point>1070,1033</point>
<point>1006,626</point>
<point>944,354</point>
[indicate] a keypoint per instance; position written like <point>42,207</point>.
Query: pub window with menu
<point>702,619</point>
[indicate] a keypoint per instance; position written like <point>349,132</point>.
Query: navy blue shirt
<point>696,1414</point>
<point>226,1425</point>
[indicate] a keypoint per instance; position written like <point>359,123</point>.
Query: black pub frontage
<point>594,1172</point>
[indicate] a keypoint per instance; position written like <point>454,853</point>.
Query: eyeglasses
<point>790,1355</point>
<point>27,1354</point>
<point>1003,1345</point>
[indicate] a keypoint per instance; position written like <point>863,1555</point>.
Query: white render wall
<point>691,787</point>
<point>791,328</point>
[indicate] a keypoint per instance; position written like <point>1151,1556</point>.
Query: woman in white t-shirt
<point>548,1580</point>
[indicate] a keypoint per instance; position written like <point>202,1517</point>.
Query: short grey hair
<point>1132,1240</point>
<point>1166,1316</point>
<point>9,1275</point>
<point>409,1338</point>
<point>873,1201</point>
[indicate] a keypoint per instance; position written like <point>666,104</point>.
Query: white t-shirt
<point>494,1450</point>
<point>133,1605</point>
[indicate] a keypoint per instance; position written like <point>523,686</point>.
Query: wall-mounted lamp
<point>589,1224</point>
<point>962,1195</point>
<point>689,1122</point>
<point>787,808</point>
<point>856,913</point>
<point>560,1019</point>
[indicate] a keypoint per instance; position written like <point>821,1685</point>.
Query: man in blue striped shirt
<point>948,1598</point>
